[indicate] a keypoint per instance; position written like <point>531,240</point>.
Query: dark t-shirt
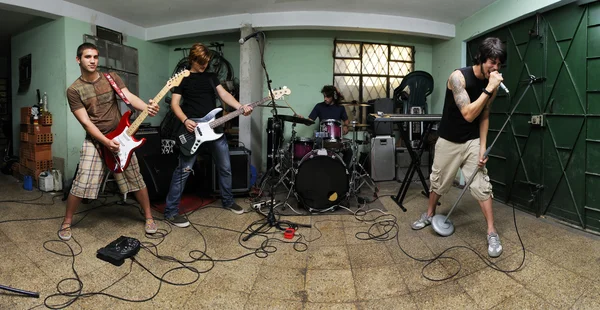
<point>453,126</point>
<point>99,100</point>
<point>199,94</point>
<point>324,111</point>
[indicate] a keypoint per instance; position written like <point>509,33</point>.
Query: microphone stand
<point>19,291</point>
<point>270,219</point>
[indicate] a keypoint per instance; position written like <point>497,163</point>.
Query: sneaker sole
<point>181,225</point>
<point>235,211</point>
<point>492,256</point>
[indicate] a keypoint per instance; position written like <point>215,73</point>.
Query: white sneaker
<point>494,245</point>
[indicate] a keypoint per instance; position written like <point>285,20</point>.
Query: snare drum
<point>322,180</point>
<point>301,147</point>
<point>333,128</point>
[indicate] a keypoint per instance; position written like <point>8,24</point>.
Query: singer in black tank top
<point>463,132</point>
<point>453,126</point>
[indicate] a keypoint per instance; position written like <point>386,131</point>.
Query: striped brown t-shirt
<point>99,100</point>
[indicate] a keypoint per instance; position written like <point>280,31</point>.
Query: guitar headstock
<point>177,78</point>
<point>278,93</point>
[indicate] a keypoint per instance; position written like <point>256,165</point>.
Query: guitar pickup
<point>182,139</point>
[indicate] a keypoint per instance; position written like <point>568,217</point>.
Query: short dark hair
<point>85,46</point>
<point>490,48</point>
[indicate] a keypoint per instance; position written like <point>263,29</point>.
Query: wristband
<point>185,120</point>
<point>485,91</point>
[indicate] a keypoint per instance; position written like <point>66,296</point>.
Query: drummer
<point>331,107</point>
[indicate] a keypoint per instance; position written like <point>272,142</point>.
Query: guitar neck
<point>140,119</point>
<point>222,120</point>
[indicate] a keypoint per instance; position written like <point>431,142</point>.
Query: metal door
<point>547,160</point>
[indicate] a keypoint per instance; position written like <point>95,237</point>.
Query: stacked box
<point>36,144</point>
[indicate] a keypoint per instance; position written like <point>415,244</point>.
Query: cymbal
<point>271,106</point>
<point>294,119</point>
<point>355,104</point>
<point>359,142</point>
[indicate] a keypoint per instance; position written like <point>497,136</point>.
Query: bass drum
<point>322,180</point>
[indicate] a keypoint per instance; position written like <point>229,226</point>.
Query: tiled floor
<point>335,271</point>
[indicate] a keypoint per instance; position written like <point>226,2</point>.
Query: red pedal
<point>289,233</point>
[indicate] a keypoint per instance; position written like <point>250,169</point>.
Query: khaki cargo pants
<point>450,156</point>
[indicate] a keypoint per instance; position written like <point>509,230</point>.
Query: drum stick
<point>290,106</point>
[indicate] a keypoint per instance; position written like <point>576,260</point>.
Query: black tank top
<point>453,126</point>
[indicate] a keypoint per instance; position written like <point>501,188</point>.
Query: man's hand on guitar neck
<point>189,125</point>
<point>152,108</point>
<point>247,110</point>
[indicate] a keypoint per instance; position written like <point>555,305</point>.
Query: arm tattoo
<point>457,85</point>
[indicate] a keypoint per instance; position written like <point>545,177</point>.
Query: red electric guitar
<point>118,162</point>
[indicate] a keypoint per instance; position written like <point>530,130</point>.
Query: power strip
<point>259,205</point>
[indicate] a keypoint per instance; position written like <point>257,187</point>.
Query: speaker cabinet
<point>157,171</point>
<point>152,145</point>
<point>385,105</point>
<point>383,158</point>
<point>240,171</point>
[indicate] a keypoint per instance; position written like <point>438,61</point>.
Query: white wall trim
<point>304,20</point>
<point>196,27</point>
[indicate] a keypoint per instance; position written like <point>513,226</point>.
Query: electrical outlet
<point>537,120</point>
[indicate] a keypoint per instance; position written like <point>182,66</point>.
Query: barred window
<point>365,71</point>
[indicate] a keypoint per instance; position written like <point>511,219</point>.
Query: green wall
<point>303,61</point>
<point>152,78</point>
<point>46,44</point>
<point>53,47</point>
<point>153,72</point>
<point>231,48</point>
<point>450,55</point>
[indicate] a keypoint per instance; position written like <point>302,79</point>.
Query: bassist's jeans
<point>220,152</point>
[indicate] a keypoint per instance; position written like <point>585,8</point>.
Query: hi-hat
<point>355,104</point>
<point>295,119</point>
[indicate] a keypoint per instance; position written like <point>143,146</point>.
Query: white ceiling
<point>152,13</point>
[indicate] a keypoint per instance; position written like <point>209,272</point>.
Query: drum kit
<point>322,171</point>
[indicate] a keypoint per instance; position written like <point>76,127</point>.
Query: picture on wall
<point>24,73</point>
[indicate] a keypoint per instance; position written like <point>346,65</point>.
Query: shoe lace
<point>494,241</point>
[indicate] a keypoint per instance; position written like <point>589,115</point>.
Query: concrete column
<point>251,90</point>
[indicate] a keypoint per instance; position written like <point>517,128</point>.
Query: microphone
<point>504,87</point>
<point>248,37</point>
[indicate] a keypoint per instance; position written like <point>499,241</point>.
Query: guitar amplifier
<point>240,171</point>
<point>152,145</point>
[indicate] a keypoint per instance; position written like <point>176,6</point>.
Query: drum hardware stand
<point>270,219</point>
<point>358,173</point>
<point>357,176</point>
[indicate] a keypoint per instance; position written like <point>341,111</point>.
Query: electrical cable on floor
<point>385,228</point>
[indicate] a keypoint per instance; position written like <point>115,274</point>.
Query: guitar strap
<point>218,129</point>
<point>122,95</point>
<point>116,88</point>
